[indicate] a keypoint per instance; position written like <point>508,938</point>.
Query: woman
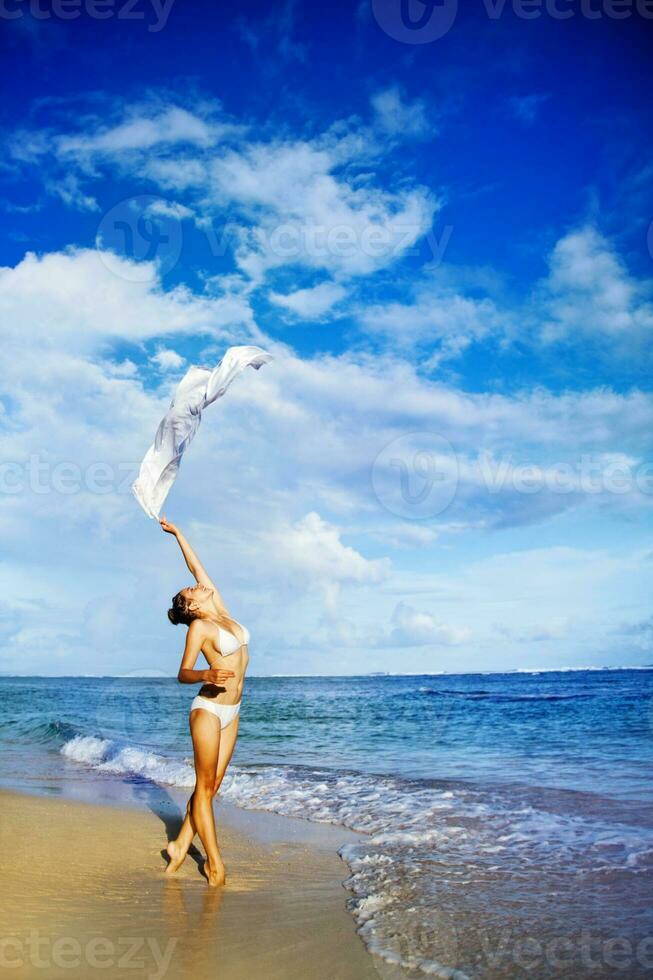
<point>214,713</point>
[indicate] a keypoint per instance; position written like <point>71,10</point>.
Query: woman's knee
<point>204,786</point>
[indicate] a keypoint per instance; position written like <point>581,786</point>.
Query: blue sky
<point>448,247</point>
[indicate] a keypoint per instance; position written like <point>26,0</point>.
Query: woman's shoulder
<point>199,629</point>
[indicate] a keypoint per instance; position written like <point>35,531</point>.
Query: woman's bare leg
<point>205,730</point>
<point>178,848</point>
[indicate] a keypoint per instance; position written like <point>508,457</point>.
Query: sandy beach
<point>84,894</point>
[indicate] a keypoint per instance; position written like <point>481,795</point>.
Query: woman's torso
<point>234,643</point>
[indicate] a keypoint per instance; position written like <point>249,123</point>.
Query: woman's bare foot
<point>215,876</point>
<point>176,856</point>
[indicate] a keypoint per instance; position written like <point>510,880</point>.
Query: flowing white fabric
<point>198,388</point>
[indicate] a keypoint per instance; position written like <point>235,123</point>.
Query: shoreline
<point>84,891</point>
<point>111,792</point>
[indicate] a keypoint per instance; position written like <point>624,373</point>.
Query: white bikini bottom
<point>225,713</point>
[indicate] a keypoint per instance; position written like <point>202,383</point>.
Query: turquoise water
<point>519,801</point>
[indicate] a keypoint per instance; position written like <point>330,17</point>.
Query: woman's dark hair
<point>180,611</point>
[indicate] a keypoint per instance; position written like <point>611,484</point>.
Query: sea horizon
<point>375,673</point>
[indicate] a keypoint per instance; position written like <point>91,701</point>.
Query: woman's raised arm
<point>195,566</point>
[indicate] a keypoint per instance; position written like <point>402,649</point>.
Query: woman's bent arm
<point>191,676</point>
<point>194,640</point>
<point>187,675</point>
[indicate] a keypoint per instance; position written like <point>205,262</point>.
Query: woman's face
<point>199,596</point>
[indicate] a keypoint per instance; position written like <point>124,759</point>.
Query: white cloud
<point>589,292</point>
<point>167,360</point>
<point>397,116</point>
<point>556,605</point>
<point>552,632</point>
<point>413,628</point>
<point>137,142</point>
<point>437,316</point>
<point>141,131</point>
<point>310,303</point>
<point>302,210</point>
<point>312,202</point>
<point>68,188</point>
<point>176,173</point>
<point>638,634</point>
<point>311,551</point>
<point>84,297</point>
<point>169,209</point>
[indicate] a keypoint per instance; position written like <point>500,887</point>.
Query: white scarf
<point>198,388</point>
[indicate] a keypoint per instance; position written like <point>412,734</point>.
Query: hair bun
<point>181,611</point>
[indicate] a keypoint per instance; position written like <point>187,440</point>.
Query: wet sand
<point>84,894</point>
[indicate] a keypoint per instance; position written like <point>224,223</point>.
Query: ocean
<point>505,821</point>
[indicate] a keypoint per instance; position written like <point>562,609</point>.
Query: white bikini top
<point>229,643</point>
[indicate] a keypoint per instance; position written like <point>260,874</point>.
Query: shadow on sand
<point>161,803</point>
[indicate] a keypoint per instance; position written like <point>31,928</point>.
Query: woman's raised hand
<point>216,675</point>
<point>167,526</point>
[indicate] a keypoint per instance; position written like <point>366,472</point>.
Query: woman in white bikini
<point>214,714</point>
